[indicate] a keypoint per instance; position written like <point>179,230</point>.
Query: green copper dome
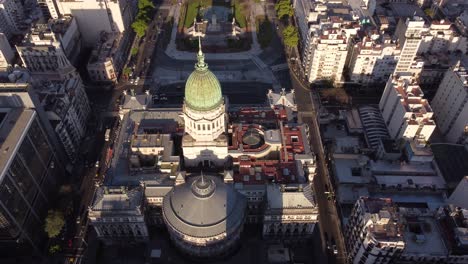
<point>202,89</point>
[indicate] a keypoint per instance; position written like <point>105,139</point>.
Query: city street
<point>330,224</point>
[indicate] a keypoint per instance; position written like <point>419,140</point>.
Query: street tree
<point>54,223</point>
<point>283,8</point>
<point>140,27</point>
<point>291,36</point>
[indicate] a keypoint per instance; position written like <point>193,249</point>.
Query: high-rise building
<point>372,233</point>
<point>6,53</point>
<point>450,105</point>
<point>67,108</point>
<point>373,59</point>
<point>409,34</point>
<point>328,54</point>
<point>324,30</point>
<point>441,36</point>
<point>45,53</point>
<point>96,16</point>
<point>405,112</point>
<point>11,17</point>
<point>29,171</point>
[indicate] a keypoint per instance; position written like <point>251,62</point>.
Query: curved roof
<point>202,89</point>
<point>204,206</point>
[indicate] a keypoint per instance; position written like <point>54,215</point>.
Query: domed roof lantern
<point>202,89</point>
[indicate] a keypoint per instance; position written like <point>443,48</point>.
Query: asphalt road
<point>329,221</point>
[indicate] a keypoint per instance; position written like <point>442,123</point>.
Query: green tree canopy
<point>140,26</point>
<point>54,223</point>
<point>284,8</point>
<point>291,36</point>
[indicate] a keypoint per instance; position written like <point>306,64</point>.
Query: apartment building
<point>328,54</point>
<point>106,59</point>
<point>450,104</point>
<point>44,51</point>
<point>29,171</point>
<point>67,108</point>
<point>325,30</point>
<point>373,59</point>
<point>6,53</point>
<point>442,36</point>
<point>373,234</point>
<point>11,17</point>
<point>405,112</point>
<point>409,34</point>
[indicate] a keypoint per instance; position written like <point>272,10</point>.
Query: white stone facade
<point>442,37</point>
<point>205,141</point>
<point>373,61</point>
<point>405,112</point>
<point>328,54</point>
<point>450,105</point>
<point>11,17</point>
<point>409,36</point>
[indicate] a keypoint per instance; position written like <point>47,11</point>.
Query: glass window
<point>8,229</point>
<point>23,179</point>
<point>39,140</point>
<point>12,200</point>
<point>29,156</point>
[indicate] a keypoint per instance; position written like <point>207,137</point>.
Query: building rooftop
<point>421,233</point>
<point>117,199</point>
<point>290,197</point>
<point>384,217</point>
<point>106,47</point>
<point>374,125</point>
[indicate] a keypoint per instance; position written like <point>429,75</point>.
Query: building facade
<point>117,215</point>
<point>405,112</point>
<point>291,213</point>
<point>67,108</point>
<point>6,53</point>
<point>450,105</point>
<point>43,53</point>
<point>372,233</point>
<point>409,34</point>
<point>373,60</point>
<point>11,17</point>
<point>29,171</point>
<point>205,118</point>
<point>106,59</point>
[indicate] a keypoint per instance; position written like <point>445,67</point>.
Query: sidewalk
<point>172,51</point>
